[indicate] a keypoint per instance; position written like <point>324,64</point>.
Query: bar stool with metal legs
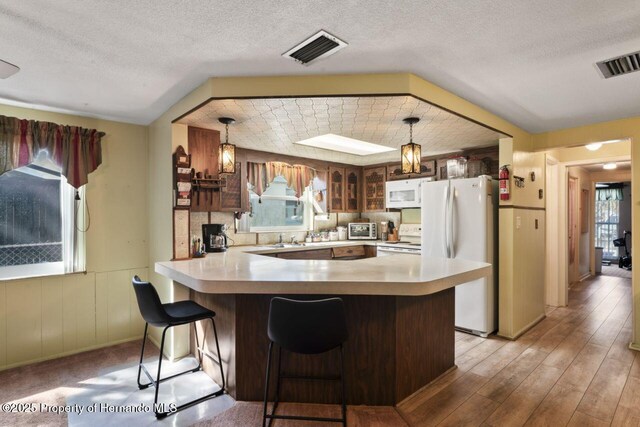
<point>306,327</point>
<point>167,316</point>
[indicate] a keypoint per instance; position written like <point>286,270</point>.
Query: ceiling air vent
<point>7,69</point>
<point>320,45</point>
<point>621,65</point>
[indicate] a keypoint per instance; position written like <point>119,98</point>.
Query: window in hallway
<point>608,218</point>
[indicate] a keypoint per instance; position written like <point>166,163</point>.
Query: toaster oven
<point>362,231</point>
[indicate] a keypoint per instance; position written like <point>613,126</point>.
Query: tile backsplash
<point>237,239</point>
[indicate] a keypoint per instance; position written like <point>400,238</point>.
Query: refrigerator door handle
<point>445,240</point>
<point>450,222</point>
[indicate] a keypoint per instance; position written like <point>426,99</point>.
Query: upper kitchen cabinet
<point>353,189</point>
<point>337,199</point>
<point>374,181</point>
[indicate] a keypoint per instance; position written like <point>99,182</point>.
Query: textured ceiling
<point>531,62</point>
<point>274,125</point>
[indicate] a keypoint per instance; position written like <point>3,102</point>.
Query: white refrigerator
<point>459,221</point>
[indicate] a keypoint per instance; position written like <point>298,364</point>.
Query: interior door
<point>572,203</point>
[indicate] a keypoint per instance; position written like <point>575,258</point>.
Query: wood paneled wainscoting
<point>396,346</point>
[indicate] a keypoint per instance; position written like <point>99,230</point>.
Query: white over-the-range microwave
<point>403,193</point>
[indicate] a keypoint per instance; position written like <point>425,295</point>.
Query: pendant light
<point>227,154</point>
<point>410,153</point>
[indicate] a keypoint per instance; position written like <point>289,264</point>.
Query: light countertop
<point>241,270</point>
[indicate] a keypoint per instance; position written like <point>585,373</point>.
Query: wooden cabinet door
<point>312,254</point>
<point>374,185</point>
<point>353,184</point>
<point>337,202</point>
<point>204,145</point>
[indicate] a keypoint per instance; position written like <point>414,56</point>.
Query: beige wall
<point>48,317</point>
<point>616,129</point>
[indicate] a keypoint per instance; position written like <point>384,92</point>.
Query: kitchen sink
<point>286,245</point>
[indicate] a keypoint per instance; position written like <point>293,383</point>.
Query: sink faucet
<point>293,239</point>
<point>280,237</point>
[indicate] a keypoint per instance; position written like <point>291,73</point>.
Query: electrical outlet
<point>536,224</point>
<point>518,222</point>
<point>540,194</point>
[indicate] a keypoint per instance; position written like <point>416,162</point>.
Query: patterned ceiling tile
<point>275,124</point>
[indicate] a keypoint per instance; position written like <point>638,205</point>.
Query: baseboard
<point>68,353</point>
<point>634,346</point>
<point>523,330</point>
<point>584,277</point>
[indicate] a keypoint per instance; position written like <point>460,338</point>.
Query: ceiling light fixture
<point>609,166</point>
<point>344,144</point>
<point>593,146</point>
<point>7,69</point>
<point>227,153</point>
<point>410,153</point>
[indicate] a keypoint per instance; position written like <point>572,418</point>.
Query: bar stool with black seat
<point>305,327</point>
<point>167,316</point>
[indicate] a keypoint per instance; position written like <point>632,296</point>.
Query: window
<point>38,235</point>
<point>607,219</point>
<point>278,209</point>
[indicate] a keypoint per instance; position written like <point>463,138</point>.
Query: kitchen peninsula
<point>400,314</point>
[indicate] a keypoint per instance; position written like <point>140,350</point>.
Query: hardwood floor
<point>573,368</point>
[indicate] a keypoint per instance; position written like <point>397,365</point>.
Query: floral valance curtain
<point>604,194</point>
<point>76,150</point>
<point>298,177</point>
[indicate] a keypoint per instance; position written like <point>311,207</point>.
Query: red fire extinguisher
<point>503,177</point>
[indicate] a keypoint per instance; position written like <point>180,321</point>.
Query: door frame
<point>554,292</point>
<point>563,217</point>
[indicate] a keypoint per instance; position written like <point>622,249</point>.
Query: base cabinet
<point>396,346</point>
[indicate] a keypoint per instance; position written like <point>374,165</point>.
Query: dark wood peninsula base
<point>397,344</point>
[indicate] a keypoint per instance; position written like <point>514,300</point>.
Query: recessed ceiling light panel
<point>593,147</point>
<point>609,166</point>
<point>319,45</point>
<point>7,69</point>
<point>344,144</point>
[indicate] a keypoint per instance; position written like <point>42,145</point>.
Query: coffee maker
<point>214,237</point>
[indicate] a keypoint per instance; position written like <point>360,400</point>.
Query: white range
<point>409,241</point>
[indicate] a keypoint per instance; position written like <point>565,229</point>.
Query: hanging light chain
<point>411,133</point>
<point>226,130</point>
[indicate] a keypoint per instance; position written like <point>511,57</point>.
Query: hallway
<point>572,368</point>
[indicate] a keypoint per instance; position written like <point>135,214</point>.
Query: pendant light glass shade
<point>227,159</point>
<point>411,158</point>
<point>227,153</point>
<point>410,153</point>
